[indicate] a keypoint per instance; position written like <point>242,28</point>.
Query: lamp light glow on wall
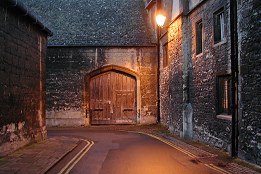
<point>160,19</point>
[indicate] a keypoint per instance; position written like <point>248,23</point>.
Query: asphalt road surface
<point>116,152</point>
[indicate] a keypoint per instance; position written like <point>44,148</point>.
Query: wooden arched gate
<point>113,98</point>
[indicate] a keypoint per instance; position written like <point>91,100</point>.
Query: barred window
<point>224,95</point>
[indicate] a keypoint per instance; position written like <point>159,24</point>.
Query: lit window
<point>165,55</point>
<point>199,30</point>
<point>224,95</point>
<point>219,26</point>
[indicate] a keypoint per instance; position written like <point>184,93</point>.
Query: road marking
<point>170,144</point>
<point>75,158</point>
<point>212,166</point>
<point>78,159</point>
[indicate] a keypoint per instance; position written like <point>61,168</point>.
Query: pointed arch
<point>108,114</point>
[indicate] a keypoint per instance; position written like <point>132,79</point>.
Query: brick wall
<point>249,15</point>
<point>22,81</point>
<point>67,67</point>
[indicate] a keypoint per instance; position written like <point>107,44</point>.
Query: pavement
<point>38,158</point>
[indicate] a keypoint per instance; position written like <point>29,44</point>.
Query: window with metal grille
<point>224,95</point>
<point>199,37</point>
<point>219,26</point>
<point>165,55</point>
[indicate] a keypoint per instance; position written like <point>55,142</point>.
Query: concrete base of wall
<point>64,119</point>
<point>76,119</point>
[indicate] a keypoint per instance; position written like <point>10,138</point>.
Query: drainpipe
<point>158,73</point>
<point>158,67</point>
<point>234,71</point>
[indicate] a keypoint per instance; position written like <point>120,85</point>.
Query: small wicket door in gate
<point>113,98</point>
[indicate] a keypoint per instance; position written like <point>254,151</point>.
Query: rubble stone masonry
<point>195,76</point>
<point>188,83</point>
<point>67,68</point>
<point>171,79</point>
<point>249,29</point>
<point>206,67</point>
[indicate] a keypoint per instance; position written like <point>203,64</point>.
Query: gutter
<point>102,46</point>
<point>24,11</point>
<point>234,71</point>
<point>158,5</point>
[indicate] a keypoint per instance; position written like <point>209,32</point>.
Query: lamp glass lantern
<point>160,19</point>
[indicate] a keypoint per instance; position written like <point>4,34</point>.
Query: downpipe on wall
<point>234,72</point>
<point>158,67</point>
<point>158,75</point>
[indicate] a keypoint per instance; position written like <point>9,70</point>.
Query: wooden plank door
<point>112,99</point>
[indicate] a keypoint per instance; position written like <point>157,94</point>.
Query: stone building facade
<point>23,43</point>
<point>200,77</point>
<point>68,68</point>
<point>96,43</point>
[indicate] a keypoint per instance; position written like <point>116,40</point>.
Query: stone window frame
<point>199,37</point>
<point>219,34</point>
<point>223,87</point>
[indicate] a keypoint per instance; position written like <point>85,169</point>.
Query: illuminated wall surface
<point>190,81</point>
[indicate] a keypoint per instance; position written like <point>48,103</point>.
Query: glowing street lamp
<point>160,19</point>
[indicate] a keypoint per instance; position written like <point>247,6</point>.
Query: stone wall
<point>249,18</point>
<point>171,80</point>
<point>206,66</point>
<point>22,81</point>
<point>188,85</point>
<point>67,67</point>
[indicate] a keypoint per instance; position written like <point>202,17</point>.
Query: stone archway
<point>111,96</point>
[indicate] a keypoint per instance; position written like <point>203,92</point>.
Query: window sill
<point>220,43</point>
<point>199,54</point>
<point>225,117</point>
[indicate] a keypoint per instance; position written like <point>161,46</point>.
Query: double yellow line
<point>68,167</point>
<point>170,144</point>
<point>212,166</point>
